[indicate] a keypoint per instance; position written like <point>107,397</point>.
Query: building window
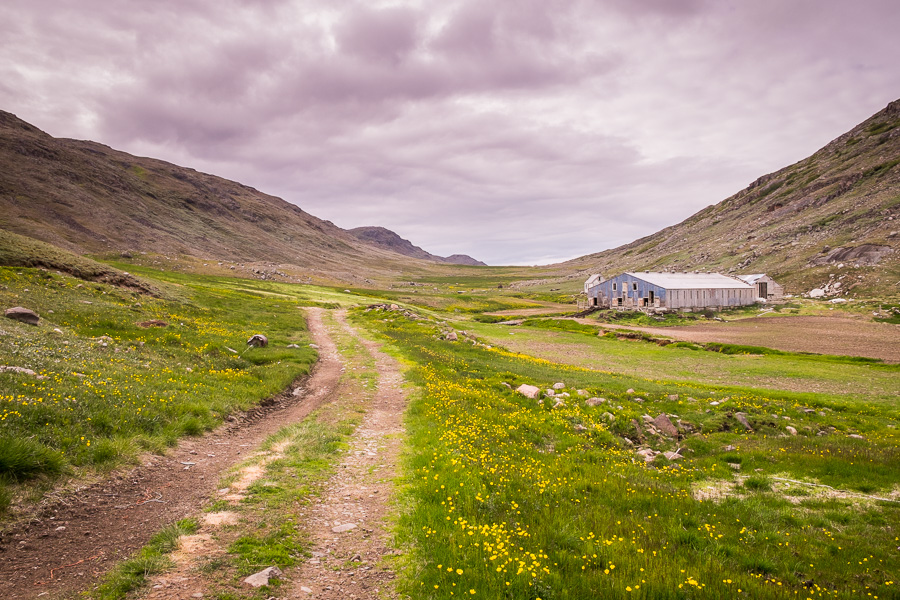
<point>634,286</point>
<point>614,287</point>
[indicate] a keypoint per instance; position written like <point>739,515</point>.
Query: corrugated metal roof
<point>689,281</point>
<point>751,279</point>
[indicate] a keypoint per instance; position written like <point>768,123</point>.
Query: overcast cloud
<point>516,131</point>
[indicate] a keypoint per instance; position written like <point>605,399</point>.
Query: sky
<point>515,131</point>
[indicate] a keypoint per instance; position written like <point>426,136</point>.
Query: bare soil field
<point>75,537</point>
<point>844,336</point>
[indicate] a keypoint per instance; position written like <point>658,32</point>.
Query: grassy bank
<point>112,372</point>
<point>512,498</point>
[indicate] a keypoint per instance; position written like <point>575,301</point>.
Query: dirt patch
<point>72,540</point>
<point>823,335</point>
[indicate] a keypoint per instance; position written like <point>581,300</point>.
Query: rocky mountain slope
<point>90,199</point>
<point>829,221</point>
<point>388,240</point>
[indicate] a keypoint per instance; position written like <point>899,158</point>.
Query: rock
<point>559,403</point>
<point>343,528</point>
<point>314,346</point>
<point>506,385</point>
<point>816,293</point>
<point>791,430</point>
<point>582,392</point>
<point>735,466</point>
<point>665,425</point>
<point>24,315</point>
<point>742,419</point>
<point>451,337</point>
<point>258,341</point>
<point>686,426</point>
<point>714,403</point>
<point>262,578</point>
<point>549,393</point>
<point>305,589</point>
<point>559,386</point>
<point>856,436</point>
<point>672,456</point>
<point>648,454</point>
<point>729,448</point>
<point>394,307</point>
<point>608,416</point>
<point>293,346</point>
<point>629,391</point>
<point>564,395</point>
<point>673,397</point>
<point>580,427</point>
<point>595,401</point>
<point>639,400</point>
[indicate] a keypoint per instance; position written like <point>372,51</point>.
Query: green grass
<point>842,379</point>
<point>152,559</point>
<point>107,387</point>
<point>507,497</point>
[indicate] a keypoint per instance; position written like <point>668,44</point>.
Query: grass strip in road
<point>512,498</point>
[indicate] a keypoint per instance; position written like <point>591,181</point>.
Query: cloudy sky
<point>516,131</point>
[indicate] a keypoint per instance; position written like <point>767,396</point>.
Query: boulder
<point>648,454</point>
<point>742,419</point>
<point>672,456</point>
<point>856,436</point>
<point>665,425</point>
<point>559,386</point>
<point>258,341</point>
<point>582,392</point>
<point>262,578</point>
<point>816,293</point>
<point>791,430</point>
<point>23,314</point>
<point>529,391</point>
<point>595,401</point>
<point>451,337</point>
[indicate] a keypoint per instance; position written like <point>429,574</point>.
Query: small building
<point>674,291</point>
<point>766,287</point>
<point>592,281</point>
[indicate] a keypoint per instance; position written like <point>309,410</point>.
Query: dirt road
<point>77,537</point>
<point>822,335</point>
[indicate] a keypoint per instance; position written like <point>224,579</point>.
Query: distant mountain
<point>833,217</point>
<point>90,199</point>
<point>388,240</point>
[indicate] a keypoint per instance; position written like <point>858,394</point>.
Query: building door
<point>652,297</point>
<point>763,289</point>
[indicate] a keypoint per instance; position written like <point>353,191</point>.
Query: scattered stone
<point>629,391</point>
<point>816,293</point>
<point>608,416</point>
<point>258,341</point>
<point>714,403</point>
<point>639,400</point>
<point>664,424</point>
<point>735,466</point>
<point>559,386</point>
<point>24,315</point>
<point>742,419</point>
<point>451,337</point>
<point>856,436</point>
<point>582,392</point>
<point>672,456</point>
<point>305,589</point>
<point>595,401</point>
<point>791,430</point>
<point>673,397</point>
<point>648,454</point>
<point>262,578</point>
<point>529,391</point>
<point>344,528</point>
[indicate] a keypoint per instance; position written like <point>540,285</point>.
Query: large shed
<point>766,288</point>
<point>679,291</point>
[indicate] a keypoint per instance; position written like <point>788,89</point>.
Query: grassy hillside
<point>834,213</point>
